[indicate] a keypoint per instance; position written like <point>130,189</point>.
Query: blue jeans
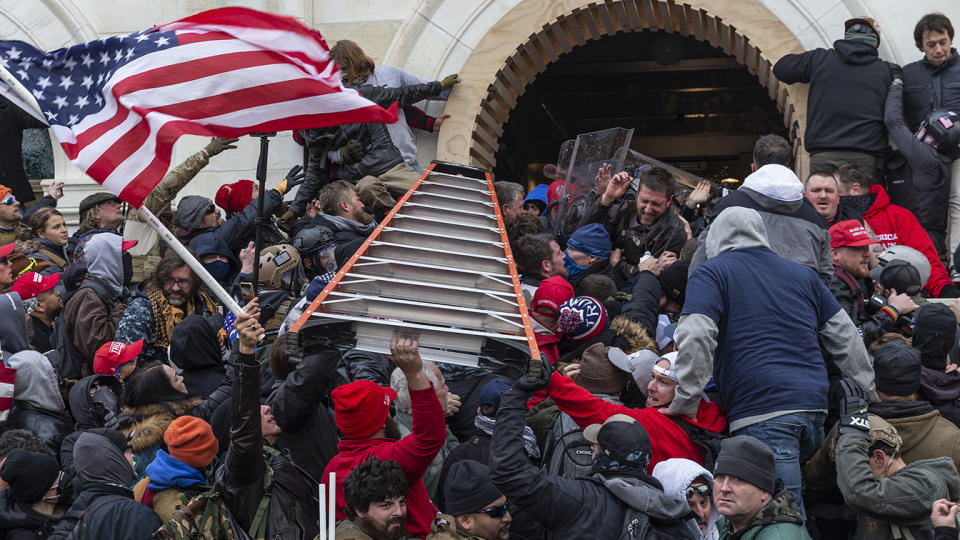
<point>793,439</point>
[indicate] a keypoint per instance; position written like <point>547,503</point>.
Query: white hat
<point>775,181</point>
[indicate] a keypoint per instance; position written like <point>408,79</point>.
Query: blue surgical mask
<point>218,269</point>
<point>572,267</point>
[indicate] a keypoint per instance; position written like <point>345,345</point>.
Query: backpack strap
<point>53,257</point>
<point>80,531</point>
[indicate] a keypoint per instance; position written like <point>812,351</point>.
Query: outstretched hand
<point>616,188</point>
<point>295,176</point>
<point>248,326</point>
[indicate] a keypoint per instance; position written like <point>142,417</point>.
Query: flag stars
<point>70,64</point>
<point>72,120</point>
<point>47,63</point>
<point>44,82</point>
<point>51,116</point>
<point>98,99</point>
<point>118,55</point>
<point>37,94</point>
<point>65,83</point>
<point>23,75</point>
<point>129,54</point>
<point>60,102</point>
<point>26,64</point>
<point>14,53</point>
<point>104,58</point>
<point>82,101</point>
<point>142,38</point>
<point>87,82</point>
<point>162,40</point>
<point>86,60</point>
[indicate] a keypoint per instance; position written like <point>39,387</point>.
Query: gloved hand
<point>528,384</point>
<point>852,406</point>
<point>215,146</point>
<point>896,72</point>
<point>351,152</point>
<point>295,176</point>
<point>449,81</point>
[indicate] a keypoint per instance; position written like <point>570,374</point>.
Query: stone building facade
<point>498,47</point>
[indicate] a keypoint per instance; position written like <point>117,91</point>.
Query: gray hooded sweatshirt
<point>104,260</point>
<point>13,325</point>
<point>676,475</point>
<point>36,382</point>
<point>697,334</point>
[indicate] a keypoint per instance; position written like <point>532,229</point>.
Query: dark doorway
<point>690,104</point>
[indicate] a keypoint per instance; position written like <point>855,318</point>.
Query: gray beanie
<point>748,459</point>
<point>191,211</point>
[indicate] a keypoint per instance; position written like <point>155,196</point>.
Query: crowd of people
<point>764,362</point>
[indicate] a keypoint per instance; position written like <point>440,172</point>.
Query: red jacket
<point>414,453</point>
<point>896,225</point>
<point>667,439</point>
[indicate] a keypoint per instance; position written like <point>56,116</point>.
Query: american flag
<point>118,104</point>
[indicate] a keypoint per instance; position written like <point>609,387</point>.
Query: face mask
<point>218,269</point>
<point>572,267</point>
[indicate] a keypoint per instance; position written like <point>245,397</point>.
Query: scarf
<point>485,424</point>
<point>166,317</point>
<point>572,267</point>
<point>166,472</point>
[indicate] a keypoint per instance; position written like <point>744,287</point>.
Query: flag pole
<point>191,261</point>
<point>262,179</point>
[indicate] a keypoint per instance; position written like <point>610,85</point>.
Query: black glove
<point>852,406</point>
<point>896,72</point>
<point>295,176</point>
<point>528,383</point>
<point>351,152</point>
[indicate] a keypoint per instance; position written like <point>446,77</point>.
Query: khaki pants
<point>379,193</point>
<point>835,158</point>
<point>953,210</point>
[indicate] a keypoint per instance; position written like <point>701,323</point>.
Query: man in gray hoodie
<point>92,313</point>
<point>754,321</point>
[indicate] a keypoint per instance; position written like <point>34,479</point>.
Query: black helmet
<point>312,239</point>
<point>942,127</point>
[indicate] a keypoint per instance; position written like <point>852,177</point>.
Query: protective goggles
<point>9,200</point>
<point>702,490</point>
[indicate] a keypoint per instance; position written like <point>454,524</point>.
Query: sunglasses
<point>31,266</point>
<point>10,200</point>
<point>496,512</point>
<point>702,490</point>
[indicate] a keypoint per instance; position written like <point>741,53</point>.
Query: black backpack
<point>81,531</point>
<point>566,453</point>
<point>706,440</point>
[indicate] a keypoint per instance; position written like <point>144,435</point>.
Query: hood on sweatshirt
<point>736,228</point>
<point>676,475</point>
<point>647,499</point>
<point>13,325</point>
<point>775,181</point>
<point>84,407</point>
<point>98,460</point>
<point>36,382</point>
<point>855,52</point>
<point>103,255</point>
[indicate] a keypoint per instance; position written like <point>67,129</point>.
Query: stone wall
<point>432,38</point>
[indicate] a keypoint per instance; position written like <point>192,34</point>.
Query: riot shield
<point>590,152</point>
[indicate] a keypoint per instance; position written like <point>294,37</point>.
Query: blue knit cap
<point>591,239</point>
<point>538,193</point>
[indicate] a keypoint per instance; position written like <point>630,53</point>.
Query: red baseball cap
<point>31,284</point>
<point>127,244</point>
<point>361,407</point>
<point>6,250</point>
<point>112,355</point>
<point>849,233</point>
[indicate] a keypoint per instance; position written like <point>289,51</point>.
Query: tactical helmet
<point>940,130</point>
<point>317,245</point>
<point>275,262</point>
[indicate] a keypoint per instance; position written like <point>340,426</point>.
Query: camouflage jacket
<point>444,527</point>
<point>778,520</point>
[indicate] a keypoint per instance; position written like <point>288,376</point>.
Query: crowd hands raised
<point>765,362</point>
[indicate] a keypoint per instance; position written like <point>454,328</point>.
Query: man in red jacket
<point>361,412</point>
<point>891,224</point>
<point>667,438</point>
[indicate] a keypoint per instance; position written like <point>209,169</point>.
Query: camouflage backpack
<point>207,517</point>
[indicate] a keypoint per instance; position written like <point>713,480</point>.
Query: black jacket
<point>292,512</point>
<point>852,301</point>
<point>195,348</point>
<point>49,426</point>
<point>848,86</point>
<point>309,432</point>
<point>568,508</point>
<point>19,522</point>
<point>13,120</point>
<point>635,238</point>
<point>87,415</point>
<point>928,87</point>
<point>379,153</point>
<point>924,186</point>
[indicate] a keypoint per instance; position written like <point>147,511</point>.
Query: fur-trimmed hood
<point>634,333</point>
<point>151,421</point>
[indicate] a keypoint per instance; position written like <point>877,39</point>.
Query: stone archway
<point>498,70</point>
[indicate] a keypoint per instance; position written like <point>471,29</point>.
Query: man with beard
<point>345,216</point>
<point>163,300</point>
<point>361,412</point>
<point>376,502</point>
<point>477,510</point>
<point>640,227</point>
<point>538,258</point>
<point>850,250</point>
